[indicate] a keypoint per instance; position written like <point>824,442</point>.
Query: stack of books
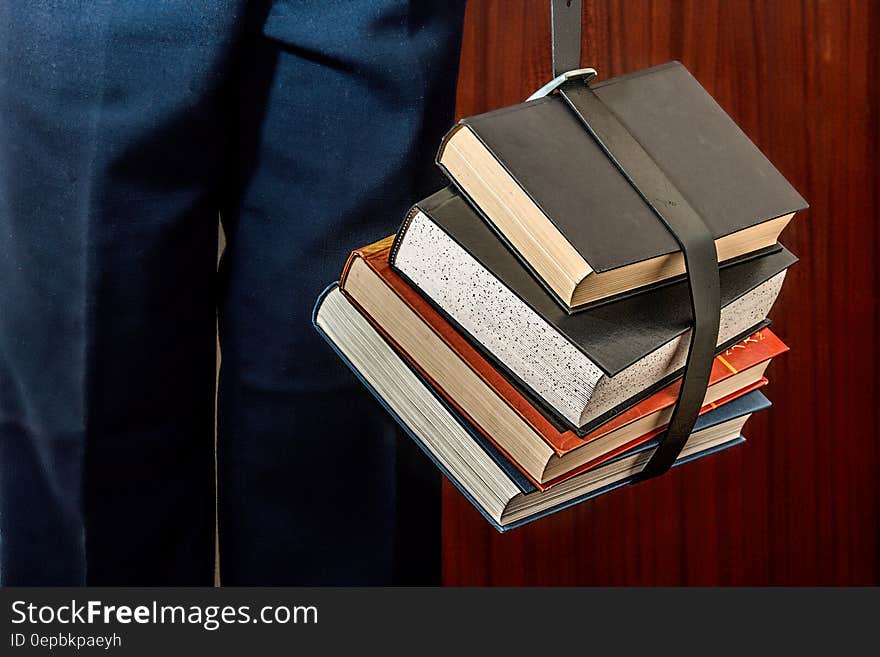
<point>528,325</point>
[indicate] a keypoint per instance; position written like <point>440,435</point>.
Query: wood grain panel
<point>798,504</point>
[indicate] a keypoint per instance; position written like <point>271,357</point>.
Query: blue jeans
<point>126,129</point>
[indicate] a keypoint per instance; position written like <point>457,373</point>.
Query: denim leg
<point>338,133</point>
<point>112,143</point>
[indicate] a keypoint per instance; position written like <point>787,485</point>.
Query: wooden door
<point>798,504</point>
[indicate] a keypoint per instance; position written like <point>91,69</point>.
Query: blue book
<point>493,484</point>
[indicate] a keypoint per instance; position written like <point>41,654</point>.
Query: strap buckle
<point>585,74</point>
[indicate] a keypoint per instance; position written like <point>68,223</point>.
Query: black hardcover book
<point>554,196</point>
<point>581,368</point>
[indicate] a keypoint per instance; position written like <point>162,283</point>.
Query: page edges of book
<point>530,455</point>
<point>443,463</point>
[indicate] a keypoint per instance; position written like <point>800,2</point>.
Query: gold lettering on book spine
<point>752,339</point>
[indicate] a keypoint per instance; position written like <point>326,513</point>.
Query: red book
<point>467,380</point>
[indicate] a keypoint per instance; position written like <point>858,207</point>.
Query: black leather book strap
<point>687,227</point>
<point>565,24</point>
<point>696,243</point>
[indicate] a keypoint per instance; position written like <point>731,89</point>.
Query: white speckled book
<point>583,368</point>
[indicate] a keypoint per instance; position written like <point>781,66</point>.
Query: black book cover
<point>724,176</point>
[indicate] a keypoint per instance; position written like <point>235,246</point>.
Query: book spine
<point>398,239</point>
<point>443,142</point>
<point>365,252</point>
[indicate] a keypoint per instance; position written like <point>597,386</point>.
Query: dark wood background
<point>798,504</point>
